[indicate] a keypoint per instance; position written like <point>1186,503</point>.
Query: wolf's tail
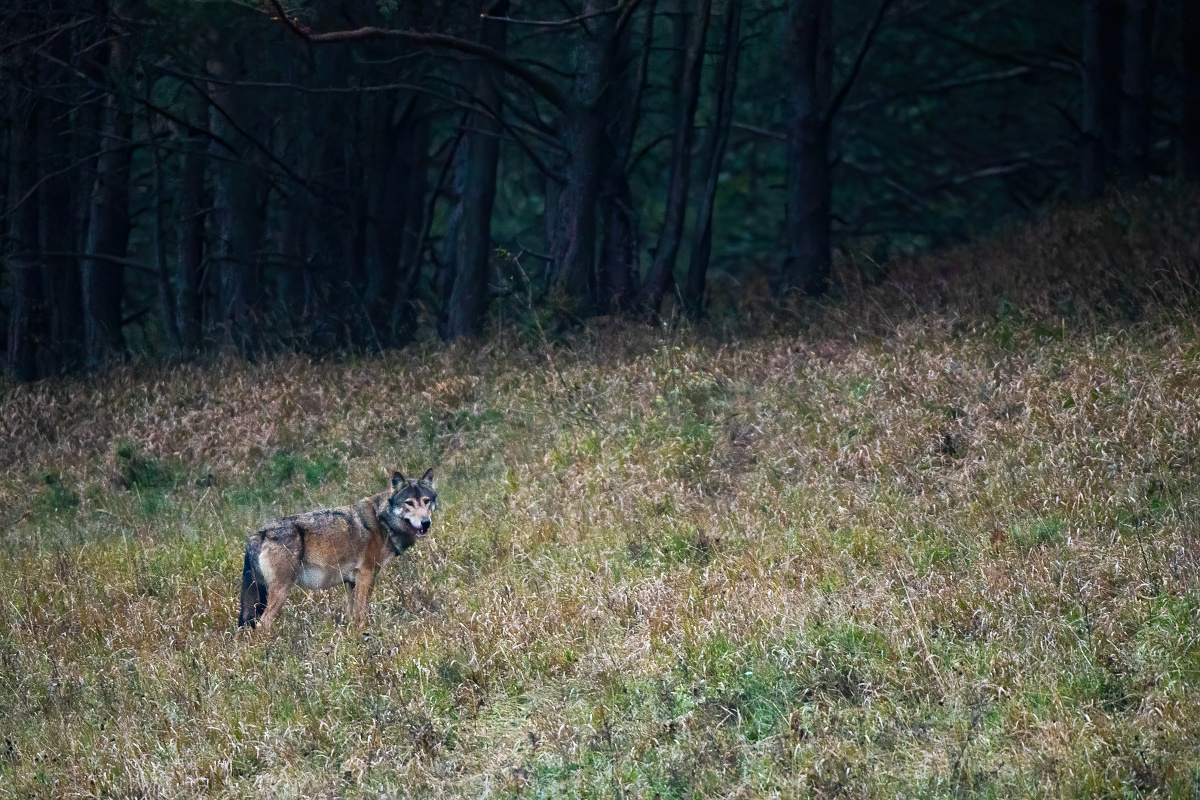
<point>254,593</point>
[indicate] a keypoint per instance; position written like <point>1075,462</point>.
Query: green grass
<point>910,558</point>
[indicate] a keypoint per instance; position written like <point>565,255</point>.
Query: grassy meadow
<point>937,536</point>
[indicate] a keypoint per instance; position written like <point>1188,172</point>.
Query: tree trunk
<point>1101,91</point>
<point>57,217</point>
<point>687,93</point>
<point>552,195</point>
<point>353,257</point>
<point>1135,88</point>
<point>469,294</point>
<point>108,219</point>
<point>807,59</point>
<point>189,232</point>
<point>447,258</point>
<point>572,221</point>
<point>574,236</point>
<point>396,225</point>
<point>26,331</point>
<point>84,147</point>
<point>723,92</point>
<point>1189,97</point>
<point>413,224</point>
<point>619,261</point>
<point>619,245</point>
<point>386,207</point>
<point>166,296</point>
<point>237,202</point>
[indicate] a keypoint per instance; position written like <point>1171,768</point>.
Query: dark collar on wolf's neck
<point>393,533</point>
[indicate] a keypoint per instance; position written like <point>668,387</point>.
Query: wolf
<point>346,545</point>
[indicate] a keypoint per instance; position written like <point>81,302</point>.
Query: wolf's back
<point>254,593</point>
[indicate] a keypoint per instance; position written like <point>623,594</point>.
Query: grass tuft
<point>54,497</point>
<point>134,469</point>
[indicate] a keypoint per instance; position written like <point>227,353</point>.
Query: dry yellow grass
<point>942,553</point>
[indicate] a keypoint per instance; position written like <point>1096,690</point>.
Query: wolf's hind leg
<point>279,566</point>
<point>276,597</point>
<point>254,591</point>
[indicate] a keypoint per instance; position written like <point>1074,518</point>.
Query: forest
<point>183,178</point>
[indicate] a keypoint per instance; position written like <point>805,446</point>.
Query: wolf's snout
<point>425,524</point>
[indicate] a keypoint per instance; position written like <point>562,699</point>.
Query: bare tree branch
<point>554,23</point>
<point>741,126</point>
<point>254,142</point>
<point>867,41</point>
<point>545,88</point>
<point>998,76</point>
<point>1067,63</point>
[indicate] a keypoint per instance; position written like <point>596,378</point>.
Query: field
<point>936,537</point>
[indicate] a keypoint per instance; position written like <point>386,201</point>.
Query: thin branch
<point>541,166</point>
<point>562,73</point>
<point>48,176</point>
<point>545,88</point>
<point>896,185</point>
<point>299,87</point>
<point>66,26</point>
<point>626,16</point>
<point>1076,128</point>
<point>254,142</point>
<point>655,142</point>
<point>133,263</point>
<point>532,120</point>
<point>640,85</point>
<point>431,204</point>
<point>478,106</point>
<point>741,126</point>
<point>1017,163</point>
<point>519,142</point>
<point>868,39</point>
<point>1068,64</point>
<point>553,23</point>
<point>92,83</point>
<point>944,86</point>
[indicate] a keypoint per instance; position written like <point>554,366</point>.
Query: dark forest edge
<point>1127,260</point>
<point>183,179</point>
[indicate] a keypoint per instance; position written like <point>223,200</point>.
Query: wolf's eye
<point>408,502</point>
<point>424,499</point>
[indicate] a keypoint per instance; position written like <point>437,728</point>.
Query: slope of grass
<point>943,553</point>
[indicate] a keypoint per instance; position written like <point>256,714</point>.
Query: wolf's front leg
<point>362,596</point>
<point>350,586</point>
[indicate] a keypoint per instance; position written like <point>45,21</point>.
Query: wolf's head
<point>407,513</point>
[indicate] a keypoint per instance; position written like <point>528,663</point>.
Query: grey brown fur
<point>346,545</point>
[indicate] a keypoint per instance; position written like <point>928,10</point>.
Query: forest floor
<point>936,537</point>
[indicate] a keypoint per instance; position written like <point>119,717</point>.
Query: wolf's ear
<point>428,478</point>
<point>397,479</point>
